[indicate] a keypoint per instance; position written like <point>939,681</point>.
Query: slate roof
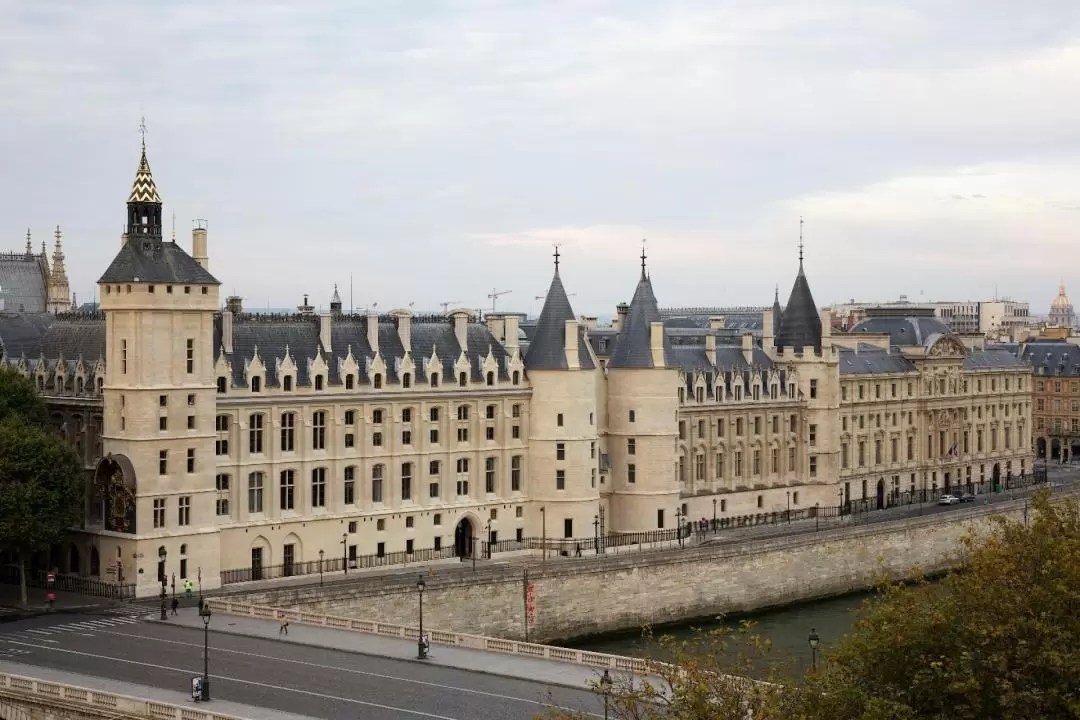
<point>993,359</point>
<point>547,341</point>
<point>272,333</point>
<point>21,333</point>
<point>872,360</point>
<point>156,262</point>
<point>22,282</point>
<point>633,349</point>
<point>1056,358</point>
<point>906,331</point>
<point>777,313</point>
<point>800,326</point>
<point>730,364</point>
<point>69,335</point>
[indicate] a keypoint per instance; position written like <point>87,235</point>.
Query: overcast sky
<point>436,150</point>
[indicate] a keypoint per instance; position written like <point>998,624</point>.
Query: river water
<point>787,628</point>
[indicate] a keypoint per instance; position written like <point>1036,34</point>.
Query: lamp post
<point>543,534</point>
<point>817,516</point>
<point>788,507</point>
<point>596,534</point>
<point>421,646</point>
<point>344,553</point>
<point>162,554</point>
<point>204,613</point>
<point>814,640</point>
<point>321,553</point>
<point>840,502</point>
<point>488,543</point>
<point>605,687</point>
<point>678,524</point>
<point>198,574</point>
<point>714,516</point>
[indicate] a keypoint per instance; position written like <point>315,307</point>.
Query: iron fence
<point>9,574</point>
<point>335,564</point>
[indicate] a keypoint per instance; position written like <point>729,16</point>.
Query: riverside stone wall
<point>577,597</point>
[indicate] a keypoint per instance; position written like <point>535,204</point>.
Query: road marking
<point>349,670</point>
<point>39,632</point>
<point>189,672</point>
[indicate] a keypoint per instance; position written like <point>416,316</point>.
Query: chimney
<point>656,343</point>
<point>324,332</point>
<point>710,349</point>
<point>767,329</point>
<point>621,310</point>
<point>373,332</point>
<point>496,325</point>
<point>717,322</point>
<point>461,328</point>
<point>234,304</point>
<point>226,330</point>
<point>589,322</point>
<point>404,328</point>
<point>198,244</point>
<point>570,344</point>
<point>510,341</point>
<point>826,329</point>
<point>748,348</point>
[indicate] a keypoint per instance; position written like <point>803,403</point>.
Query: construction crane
<point>544,297</point>
<point>446,305</point>
<point>495,295</point>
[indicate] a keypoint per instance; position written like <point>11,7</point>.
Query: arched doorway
<point>881,494</point>
<point>1055,449</point>
<point>1040,447</point>
<point>95,562</point>
<point>463,538</point>
<point>74,566</point>
<point>995,481</point>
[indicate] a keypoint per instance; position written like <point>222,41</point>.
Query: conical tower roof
<point>143,190</point>
<point>633,347</point>
<point>777,313</point>
<point>800,326</point>
<point>547,348</point>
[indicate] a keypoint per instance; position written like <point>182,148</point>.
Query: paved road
<point>310,681</point>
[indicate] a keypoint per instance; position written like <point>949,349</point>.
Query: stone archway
<point>74,560</point>
<point>881,494</point>
<point>464,535</point>
<point>1040,447</point>
<point>112,500</point>
<point>995,478</point>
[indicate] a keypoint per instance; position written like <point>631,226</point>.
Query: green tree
<point>41,490</point>
<point>20,399</point>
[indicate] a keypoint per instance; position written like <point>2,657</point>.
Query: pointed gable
<point>633,346</point>
<point>547,348</point>
<point>800,326</point>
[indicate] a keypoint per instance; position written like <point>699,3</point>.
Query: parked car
<point>967,497</point>
<point>948,500</point>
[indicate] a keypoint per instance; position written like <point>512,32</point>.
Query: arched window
<point>490,378</point>
<point>516,377</point>
<point>221,384</point>
<point>376,381</point>
<point>406,380</point>
<point>463,379</point>
<point>435,380</point>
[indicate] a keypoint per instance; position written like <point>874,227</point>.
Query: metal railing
<point>69,583</point>
<point>336,564</point>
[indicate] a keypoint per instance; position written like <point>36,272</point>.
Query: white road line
<point>40,632</point>
<point>85,634</point>
<point>352,671</point>
<point>188,672</point>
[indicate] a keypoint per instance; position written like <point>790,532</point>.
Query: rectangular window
<point>660,518</point>
<point>255,492</point>
<point>489,475</point>
<point>350,417</point>
<point>433,490</point>
<point>568,528</point>
<point>791,459</point>
<point>287,490</point>
<point>190,422</point>
<point>489,433</point>
<point>631,473</point>
<point>462,435</point>
<point>221,483</point>
<point>515,473</point>
<point>560,479</point>
<point>406,437</point>
<point>123,357</point>
<point>559,419</point>
<point>191,460</point>
<point>377,484</point>
<point>515,432</point>
<point>376,439</point>
<point>288,432</point>
<point>813,435</point>
<point>719,465</point>
<point>349,486</point>
<point>813,466</point>
<point>183,510</point>
<point>190,356</point>
<point>163,462</point>
<point>159,512</point>
<point>433,414</point>
<point>433,436</point>
<point>318,487</point>
<point>560,451</point>
<point>255,434</point>
<point>406,481</point>
<point>463,412</point>
<point>843,456</point>
<point>318,430</point>
<point>163,424</point>
<point>813,389</point>
<point>631,446</point>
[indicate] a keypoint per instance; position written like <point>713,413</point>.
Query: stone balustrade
<point>439,637</point>
<point>67,700</point>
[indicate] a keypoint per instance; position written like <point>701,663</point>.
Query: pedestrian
<point>175,604</point>
<point>284,629</point>
<point>50,599</point>
<point>188,588</point>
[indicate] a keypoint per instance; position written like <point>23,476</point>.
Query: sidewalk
<point>491,663</point>
<point>145,692</point>
<point>36,605</point>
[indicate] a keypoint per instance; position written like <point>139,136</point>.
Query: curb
<point>413,660</point>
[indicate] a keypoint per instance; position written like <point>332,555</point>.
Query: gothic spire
<point>143,190</point>
<point>547,349</point>
<point>800,326</point>
<point>29,250</point>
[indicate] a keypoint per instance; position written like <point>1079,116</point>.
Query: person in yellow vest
<point>188,587</point>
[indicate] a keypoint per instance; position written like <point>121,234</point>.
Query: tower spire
<point>800,242</point>
<point>29,250</point>
<point>643,256</point>
<point>556,258</point>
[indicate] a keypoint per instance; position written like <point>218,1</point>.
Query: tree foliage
<point>1000,638</point>
<point>19,399</point>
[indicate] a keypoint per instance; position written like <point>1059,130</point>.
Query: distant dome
<point>1061,302</point>
<point>903,331</point>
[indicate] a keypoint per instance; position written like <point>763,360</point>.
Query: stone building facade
<point>1055,364</point>
<point>28,284</point>
<point>220,440</point>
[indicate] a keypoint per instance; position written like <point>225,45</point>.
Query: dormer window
<point>406,380</point>
<point>286,383</point>
<point>319,382</point>
<point>256,384</point>
<point>349,381</point>
<point>516,377</point>
<point>490,378</point>
<point>221,385</point>
<point>376,381</point>
<point>435,380</point>
<point>463,379</point>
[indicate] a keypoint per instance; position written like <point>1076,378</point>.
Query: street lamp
<point>321,552</point>
<point>817,516</point>
<point>421,646</point>
<point>198,572</point>
<point>596,534</point>
<point>488,553</point>
<point>344,554</point>
<point>788,507</point>
<point>605,687</point>
<point>840,502</point>
<point>543,534</point>
<point>162,554</point>
<point>678,524</point>
<point>204,613</point>
<point>714,516</point>
<point>814,640</point>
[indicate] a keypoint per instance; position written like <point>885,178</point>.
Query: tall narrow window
<point>183,510</point>
<point>255,434</point>
<point>288,432</point>
<point>123,357</point>
<point>255,492</point>
<point>489,475</point>
<point>221,484</point>
<point>318,430</point>
<point>377,484</point>
<point>318,487</point>
<point>515,473</point>
<point>406,481</point>
<point>349,488</point>
<point>190,356</point>
<point>287,490</point>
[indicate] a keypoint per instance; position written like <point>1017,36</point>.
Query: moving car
<point>948,500</point>
<point>967,497</point>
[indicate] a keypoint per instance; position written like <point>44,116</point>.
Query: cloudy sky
<point>435,150</point>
